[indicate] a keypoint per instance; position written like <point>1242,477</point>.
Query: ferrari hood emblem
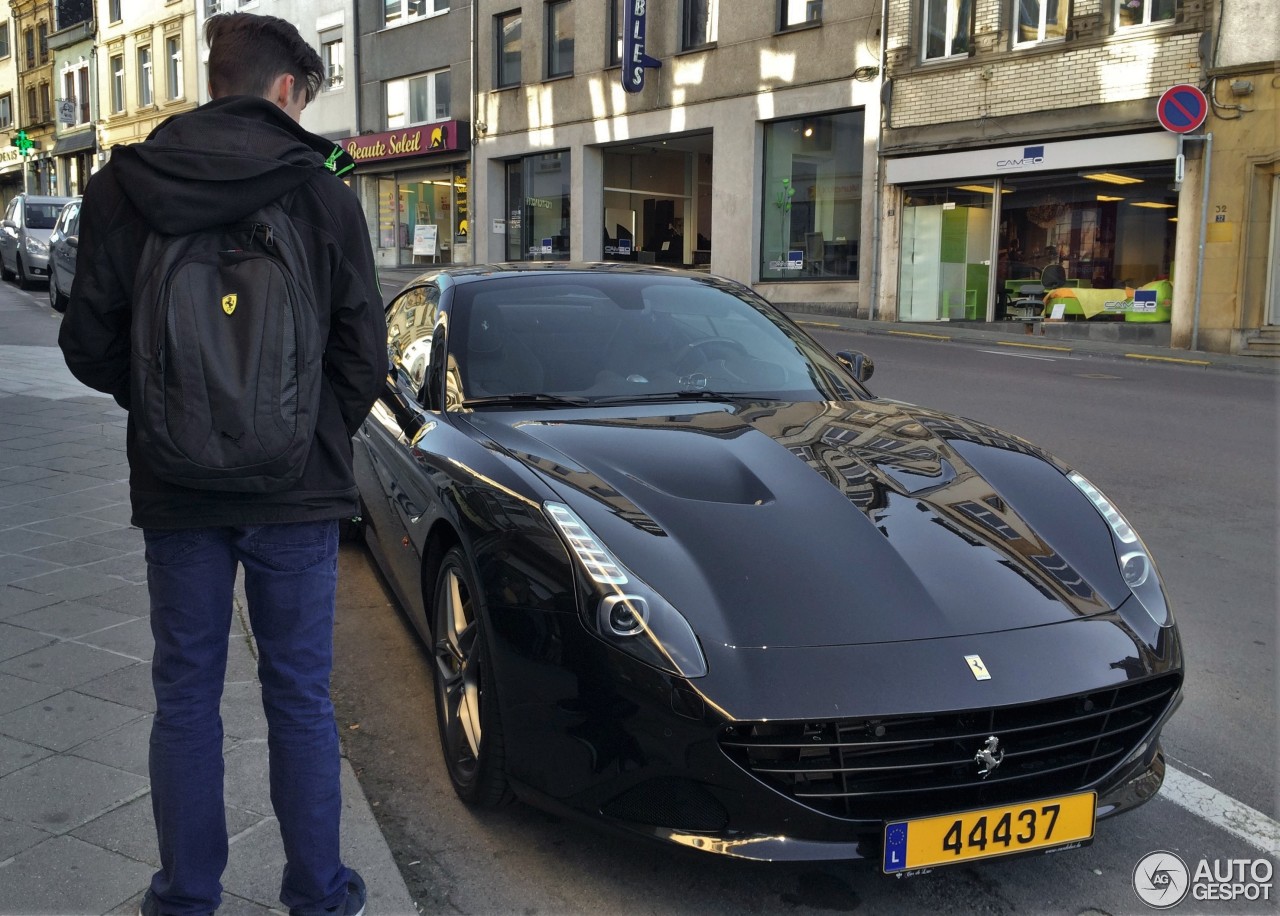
<point>989,757</point>
<point>229,303</point>
<point>979,669</point>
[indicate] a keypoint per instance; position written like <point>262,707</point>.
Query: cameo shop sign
<point>411,141</point>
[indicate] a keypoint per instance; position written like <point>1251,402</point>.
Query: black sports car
<point>681,571</point>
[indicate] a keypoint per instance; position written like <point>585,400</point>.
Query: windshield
<point>595,337</point>
<point>42,216</point>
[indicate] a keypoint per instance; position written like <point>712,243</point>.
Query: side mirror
<point>73,241</point>
<point>9,224</point>
<point>859,364</point>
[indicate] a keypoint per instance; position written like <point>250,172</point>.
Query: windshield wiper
<point>695,394</point>
<point>525,399</point>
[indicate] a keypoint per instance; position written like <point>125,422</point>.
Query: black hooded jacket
<point>211,166</point>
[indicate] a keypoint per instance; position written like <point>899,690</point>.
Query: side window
<point>410,323</point>
<point>73,224</point>
<point>9,210</point>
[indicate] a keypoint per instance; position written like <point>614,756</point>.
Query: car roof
<point>529,269</point>
<point>44,199</point>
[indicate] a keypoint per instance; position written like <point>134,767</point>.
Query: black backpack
<point>227,355</point>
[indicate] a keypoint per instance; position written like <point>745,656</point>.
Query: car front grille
<point>908,766</point>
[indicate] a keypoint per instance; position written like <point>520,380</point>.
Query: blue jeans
<point>290,574</point>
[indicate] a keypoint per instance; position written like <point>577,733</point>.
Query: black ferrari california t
<point>682,572</point>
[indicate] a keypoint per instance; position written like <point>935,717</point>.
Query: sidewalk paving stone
<point>125,748</point>
<point>69,583</point>
<point>66,720</point>
<point>65,875</point>
<point>61,792</point>
<point>22,540</point>
<point>68,619</point>
<point>16,600</point>
<point>66,526</point>
<point>17,692</point>
<point>15,754</point>
<point>132,639</point>
<point>129,686</point>
<point>64,664</point>
<point>15,838</point>
<point>71,552</point>
<point>16,641</point>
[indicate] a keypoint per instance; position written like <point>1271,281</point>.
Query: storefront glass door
<point>945,263</point>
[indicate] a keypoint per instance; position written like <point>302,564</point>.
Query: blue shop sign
<point>634,60</point>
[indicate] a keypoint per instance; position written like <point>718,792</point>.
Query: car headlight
<point>625,611</point>
<point>35,246</point>
<point>1136,566</point>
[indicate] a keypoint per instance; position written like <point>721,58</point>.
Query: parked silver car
<point>63,242</point>
<point>24,237</point>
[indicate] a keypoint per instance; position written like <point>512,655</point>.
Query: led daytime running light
<point>1122,529</point>
<point>599,562</point>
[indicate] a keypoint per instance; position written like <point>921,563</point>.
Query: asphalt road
<point>1188,454</point>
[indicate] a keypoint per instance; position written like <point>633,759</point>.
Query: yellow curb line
<point>917,334</point>
<point>1014,343</point>
<point>820,324</point>
<point>1170,359</point>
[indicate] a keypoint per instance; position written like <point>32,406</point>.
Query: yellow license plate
<point>928,842</point>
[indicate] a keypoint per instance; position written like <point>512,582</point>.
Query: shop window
<point>650,217</point>
<point>811,227</point>
<point>559,38</point>
<point>697,23</point>
<point>793,13</point>
<point>538,203</point>
<point>946,25</point>
<point>418,99</point>
<point>146,94</point>
<point>1144,12</point>
<point>395,12</point>
<point>117,83</point>
<point>506,39</point>
<point>614,53</point>
<point>1039,20</point>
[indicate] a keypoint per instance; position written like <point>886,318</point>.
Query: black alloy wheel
<point>466,707</point>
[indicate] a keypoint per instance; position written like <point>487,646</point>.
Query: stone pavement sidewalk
<point>76,835</point>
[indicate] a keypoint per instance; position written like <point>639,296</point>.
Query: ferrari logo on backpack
<point>229,303</point>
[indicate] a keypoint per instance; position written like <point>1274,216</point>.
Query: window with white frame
<point>698,23</point>
<point>113,11</point>
<point>560,38</point>
<point>418,99</point>
<point>117,83</point>
<point>397,11</point>
<point>75,89</point>
<point>331,54</point>
<point>146,86</point>
<point>1144,12</point>
<point>1039,20</point>
<point>173,67</point>
<point>6,110</point>
<point>946,25</point>
<point>792,13</point>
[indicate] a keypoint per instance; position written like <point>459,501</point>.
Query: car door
<point>62,252</point>
<point>9,234</point>
<point>388,441</point>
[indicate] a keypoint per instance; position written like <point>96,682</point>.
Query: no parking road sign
<point>1182,108</point>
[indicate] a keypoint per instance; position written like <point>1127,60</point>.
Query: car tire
<point>24,281</point>
<point>57,301</point>
<point>5,272</point>
<point>470,724</point>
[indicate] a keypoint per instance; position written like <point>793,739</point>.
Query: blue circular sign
<point>1182,108</point>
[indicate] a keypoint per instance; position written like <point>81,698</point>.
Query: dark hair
<point>248,52</point>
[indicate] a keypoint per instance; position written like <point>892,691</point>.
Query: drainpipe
<point>355,59</point>
<point>878,193</point>
<point>1204,219</point>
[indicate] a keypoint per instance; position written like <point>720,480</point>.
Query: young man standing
<point>206,168</point>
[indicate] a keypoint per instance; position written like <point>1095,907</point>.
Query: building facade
<point>32,21</point>
<point>735,138</point>
<point>75,146</point>
<point>413,138</point>
<point>147,66</point>
<point>1024,147</point>
<point>11,160</point>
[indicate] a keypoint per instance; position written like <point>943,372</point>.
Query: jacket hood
<point>218,163</point>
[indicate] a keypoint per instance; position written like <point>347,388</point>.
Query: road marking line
<point>1049,359</point>
<point>1029,346</point>
<point>1223,811</point>
<point>918,334</point>
<point>820,324</point>
<point>1170,359</point>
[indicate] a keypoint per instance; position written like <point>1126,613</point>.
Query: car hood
<point>771,524</point>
